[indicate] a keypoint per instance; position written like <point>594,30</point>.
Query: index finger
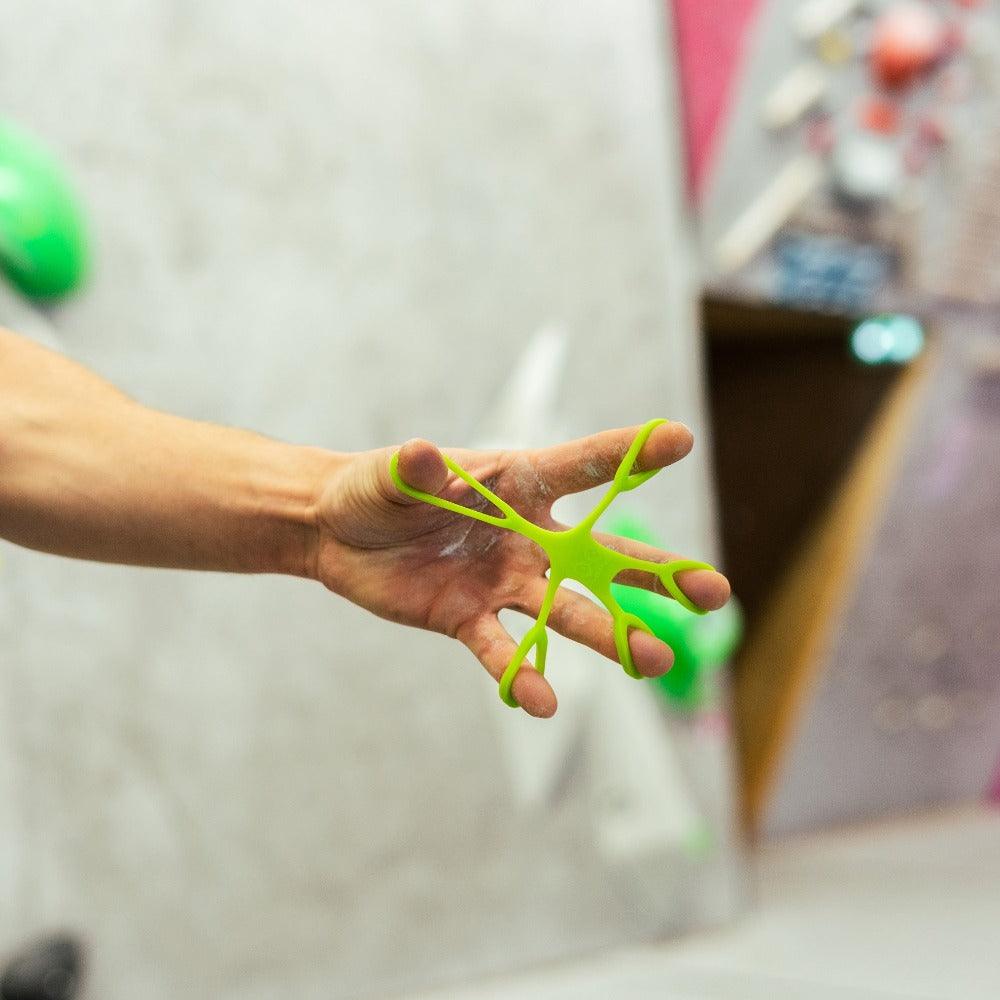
<point>590,461</point>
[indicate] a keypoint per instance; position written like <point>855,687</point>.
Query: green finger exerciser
<point>574,554</point>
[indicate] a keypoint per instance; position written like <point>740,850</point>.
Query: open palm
<point>422,566</point>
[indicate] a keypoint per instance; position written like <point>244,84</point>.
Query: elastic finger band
<point>573,554</point>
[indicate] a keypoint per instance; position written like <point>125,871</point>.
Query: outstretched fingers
<point>493,646</point>
<point>587,462</point>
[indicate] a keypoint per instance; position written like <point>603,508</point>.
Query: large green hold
<point>701,643</point>
<point>43,245</point>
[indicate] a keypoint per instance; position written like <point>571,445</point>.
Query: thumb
<point>421,467</point>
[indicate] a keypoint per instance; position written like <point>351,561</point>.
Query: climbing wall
<point>327,222</point>
<point>905,712</point>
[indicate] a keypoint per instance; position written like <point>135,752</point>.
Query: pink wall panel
<point>709,41</point>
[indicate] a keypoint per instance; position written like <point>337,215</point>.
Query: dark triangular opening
<point>789,406</point>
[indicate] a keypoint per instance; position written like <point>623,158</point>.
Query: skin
<point>89,473</point>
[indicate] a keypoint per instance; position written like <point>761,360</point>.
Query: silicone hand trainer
<point>574,554</point>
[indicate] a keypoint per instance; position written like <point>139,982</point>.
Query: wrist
<point>293,509</point>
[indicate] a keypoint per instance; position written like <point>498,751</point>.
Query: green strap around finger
<point>573,554</point>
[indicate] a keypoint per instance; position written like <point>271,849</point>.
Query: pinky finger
<point>493,646</point>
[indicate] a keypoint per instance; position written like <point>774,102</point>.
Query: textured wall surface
<point>320,220</point>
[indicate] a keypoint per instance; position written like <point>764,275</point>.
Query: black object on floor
<point>47,969</point>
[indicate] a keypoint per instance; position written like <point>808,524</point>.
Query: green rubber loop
<point>574,554</point>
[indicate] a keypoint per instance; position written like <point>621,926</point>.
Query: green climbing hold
<point>701,644</point>
<point>43,246</point>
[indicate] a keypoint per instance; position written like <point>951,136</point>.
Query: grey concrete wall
<point>326,221</point>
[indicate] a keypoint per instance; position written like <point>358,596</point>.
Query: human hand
<point>419,565</point>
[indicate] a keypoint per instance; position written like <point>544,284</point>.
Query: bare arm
<point>89,473</point>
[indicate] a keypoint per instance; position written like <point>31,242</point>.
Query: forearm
<point>87,472</point>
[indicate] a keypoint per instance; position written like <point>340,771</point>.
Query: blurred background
<point>508,223</point>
